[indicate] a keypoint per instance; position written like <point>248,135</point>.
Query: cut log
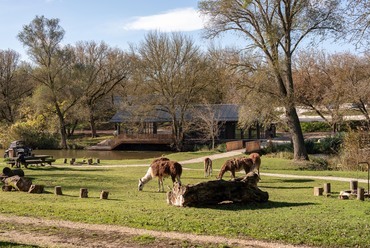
<point>83,193</point>
<point>104,194</point>
<point>19,183</point>
<point>37,189</point>
<point>240,190</point>
<point>58,190</point>
<point>317,191</point>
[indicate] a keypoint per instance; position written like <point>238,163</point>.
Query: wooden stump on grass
<point>37,189</point>
<point>72,162</point>
<point>318,191</point>
<point>58,190</point>
<point>360,194</point>
<point>104,194</point>
<point>327,188</point>
<point>353,184</point>
<point>83,193</point>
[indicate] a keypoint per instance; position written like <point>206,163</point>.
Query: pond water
<point>103,155</point>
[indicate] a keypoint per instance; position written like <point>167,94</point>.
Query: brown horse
<point>207,167</point>
<point>161,168</point>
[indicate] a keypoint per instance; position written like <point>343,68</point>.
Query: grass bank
<point>292,214</point>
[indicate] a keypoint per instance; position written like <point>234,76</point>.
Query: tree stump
<point>90,161</point>
<point>36,189</point>
<point>65,161</point>
<point>104,194</point>
<point>327,188</point>
<point>58,190</point>
<point>240,190</point>
<point>317,191</point>
<point>97,160</point>
<point>360,194</point>
<point>72,162</point>
<point>83,193</point>
<point>353,184</point>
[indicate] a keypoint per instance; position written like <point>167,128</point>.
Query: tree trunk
<point>241,190</point>
<point>92,126</point>
<point>62,127</point>
<point>295,129</point>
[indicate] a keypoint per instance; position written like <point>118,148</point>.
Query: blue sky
<point>117,22</point>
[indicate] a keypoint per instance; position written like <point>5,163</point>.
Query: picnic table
<point>30,160</point>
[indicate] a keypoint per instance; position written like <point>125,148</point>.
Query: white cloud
<point>174,20</point>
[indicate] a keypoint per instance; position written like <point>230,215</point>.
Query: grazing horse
<point>256,161</point>
<point>161,168</point>
<point>236,165</point>
<point>207,167</point>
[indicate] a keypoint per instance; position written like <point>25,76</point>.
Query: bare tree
<point>15,84</point>
<point>276,28</point>
<point>174,73</point>
<point>325,83</point>
<point>42,37</point>
<point>100,70</point>
<point>207,122</point>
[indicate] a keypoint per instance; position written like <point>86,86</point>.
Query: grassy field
<point>292,214</point>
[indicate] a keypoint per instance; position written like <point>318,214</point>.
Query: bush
<point>316,164</point>
<point>330,145</point>
<point>33,134</point>
<point>316,126</point>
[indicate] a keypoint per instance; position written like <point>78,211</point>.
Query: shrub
<point>33,133</point>
<point>315,163</point>
<point>330,145</point>
<point>352,151</point>
<point>316,126</point>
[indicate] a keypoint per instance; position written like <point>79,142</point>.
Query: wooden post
<point>317,191</point>
<point>58,190</point>
<point>89,161</point>
<point>83,193</point>
<point>353,185</point>
<point>360,194</point>
<point>73,160</point>
<point>104,194</point>
<point>65,161</point>
<point>327,188</point>
<point>97,160</point>
<point>38,189</point>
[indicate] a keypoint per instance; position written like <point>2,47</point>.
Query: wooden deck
<point>148,139</point>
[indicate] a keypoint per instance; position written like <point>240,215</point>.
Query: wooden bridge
<point>145,139</point>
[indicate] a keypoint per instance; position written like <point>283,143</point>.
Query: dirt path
<point>55,233</point>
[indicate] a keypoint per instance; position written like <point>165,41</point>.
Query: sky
<point>116,22</point>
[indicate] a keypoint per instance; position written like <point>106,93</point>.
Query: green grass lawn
<point>292,214</point>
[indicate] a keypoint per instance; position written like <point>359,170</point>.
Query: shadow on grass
<point>255,205</point>
<point>10,244</point>
<point>297,180</point>
<point>286,187</point>
<point>51,168</point>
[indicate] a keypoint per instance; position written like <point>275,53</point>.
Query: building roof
<point>221,112</point>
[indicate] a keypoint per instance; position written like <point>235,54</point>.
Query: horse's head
<point>141,185</point>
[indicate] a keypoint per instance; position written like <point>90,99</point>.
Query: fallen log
<point>18,183</point>
<point>240,190</point>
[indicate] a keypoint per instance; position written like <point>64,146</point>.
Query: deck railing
<point>141,138</point>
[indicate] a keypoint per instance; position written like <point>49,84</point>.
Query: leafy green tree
<point>42,38</point>
<point>276,29</point>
